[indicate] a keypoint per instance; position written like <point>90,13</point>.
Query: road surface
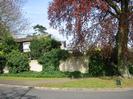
<point>11,92</point>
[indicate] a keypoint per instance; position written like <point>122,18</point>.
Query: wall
<point>74,64</point>
<point>35,66</point>
<point>6,70</point>
<point>71,64</point>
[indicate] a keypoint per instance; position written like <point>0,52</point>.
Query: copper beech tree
<point>102,22</point>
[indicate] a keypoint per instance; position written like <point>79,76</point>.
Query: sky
<point>35,11</point>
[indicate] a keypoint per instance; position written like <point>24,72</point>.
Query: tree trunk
<point>122,42</point>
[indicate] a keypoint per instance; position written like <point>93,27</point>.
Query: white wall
<point>35,66</point>
<point>6,70</point>
<point>71,64</point>
<point>74,64</point>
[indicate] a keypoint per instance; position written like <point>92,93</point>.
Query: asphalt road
<point>7,92</point>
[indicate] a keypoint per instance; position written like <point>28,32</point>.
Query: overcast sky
<point>36,13</point>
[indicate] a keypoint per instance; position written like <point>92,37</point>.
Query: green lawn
<point>31,74</point>
<point>25,78</point>
<point>91,83</point>
<point>98,82</point>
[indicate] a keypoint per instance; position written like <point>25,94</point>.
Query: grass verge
<point>55,74</point>
<point>91,83</point>
<point>97,82</point>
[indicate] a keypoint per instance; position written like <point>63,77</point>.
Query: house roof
<point>29,38</point>
<point>26,39</point>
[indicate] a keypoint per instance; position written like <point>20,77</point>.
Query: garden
<point>102,38</point>
<point>48,53</point>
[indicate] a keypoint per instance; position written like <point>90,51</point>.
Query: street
<point>11,92</point>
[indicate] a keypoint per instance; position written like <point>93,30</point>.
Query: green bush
<point>96,65</point>
<point>2,61</point>
<point>17,62</point>
<point>51,59</point>
<point>27,54</point>
<point>101,65</point>
<point>8,44</point>
<point>130,67</point>
<point>74,74</point>
<point>40,46</point>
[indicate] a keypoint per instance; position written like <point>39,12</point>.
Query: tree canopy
<point>40,29</point>
<point>107,23</point>
<point>11,18</point>
<point>84,18</point>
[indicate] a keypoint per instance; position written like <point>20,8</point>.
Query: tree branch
<point>131,8</point>
<point>113,6</point>
<point>113,14</point>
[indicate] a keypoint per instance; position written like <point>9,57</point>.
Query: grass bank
<point>91,83</point>
<point>98,82</point>
<point>30,74</point>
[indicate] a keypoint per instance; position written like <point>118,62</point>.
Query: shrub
<point>130,67</point>
<point>74,74</point>
<point>2,61</point>
<point>101,65</point>
<point>51,59</point>
<point>9,44</point>
<point>17,62</point>
<point>27,54</point>
<point>40,46</point>
<point>96,65</point>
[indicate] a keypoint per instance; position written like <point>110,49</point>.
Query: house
<point>25,43</point>
<point>25,47</point>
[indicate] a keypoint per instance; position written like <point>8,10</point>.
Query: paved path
<point>11,92</point>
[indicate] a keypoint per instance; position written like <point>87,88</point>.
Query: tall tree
<point>11,19</point>
<point>40,29</point>
<point>106,22</point>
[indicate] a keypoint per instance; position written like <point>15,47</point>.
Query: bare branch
<point>11,16</point>
<point>113,6</point>
<point>131,8</point>
<point>113,14</point>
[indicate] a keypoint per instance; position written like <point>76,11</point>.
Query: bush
<point>40,46</point>
<point>27,54</point>
<point>96,65</point>
<point>130,67</point>
<point>8,44</point>
<point>101,65</point>
<point>2,61</point>
<point>17,62</point>
<point>74,74</point>
<point>51,59</point>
